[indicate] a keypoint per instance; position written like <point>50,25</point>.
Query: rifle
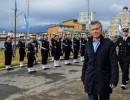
<point>14,50</point>
<point>72,43</point>
<point>80,43</point>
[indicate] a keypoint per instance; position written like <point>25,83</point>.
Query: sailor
<point>52,46</point>
<point>83,41</point>
<point>36,47</point>
<point>123,44</point>
<point>45,47</point>
<point>8,53</point>
<point>67,48</point>
<point>76,47</point>
<point>31,55</point>
<point>22,49</point>
<point>57,51</point>
<point>61,45</point>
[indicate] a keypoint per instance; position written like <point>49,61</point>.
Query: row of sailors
<point>58,46</point>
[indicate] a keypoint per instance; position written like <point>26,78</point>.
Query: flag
<point>120,28</point>
<point>25,22</point>
<point>16,5</point>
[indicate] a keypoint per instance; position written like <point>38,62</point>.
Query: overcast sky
<point>56,11</point>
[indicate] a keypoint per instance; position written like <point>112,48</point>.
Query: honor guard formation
<point>60,47</point>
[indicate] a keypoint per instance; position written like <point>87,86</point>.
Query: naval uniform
<point>44,52</point>
<point>22,53</point>
<point>8,52</point>
<point>67,49</point>
<point>57,52</point>
<point>52,48</point>
<point>83,42</point>
<point>36,50</point>
<point>76,46</point>
<point>31,57</point>
<point>61,53</point>
<point>124,57</point>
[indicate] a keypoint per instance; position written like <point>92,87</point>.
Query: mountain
<point>32,29</point>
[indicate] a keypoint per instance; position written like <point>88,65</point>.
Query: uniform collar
<point>125,38</point>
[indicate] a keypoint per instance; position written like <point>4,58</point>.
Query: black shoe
<point>9,69</point>
<point>45,68</point>
<point>30,72</point>
<point>76,62</point>
<point>69,64</point>
<point>34,71</point>
<point>58,66</point>
<point>123,87</point>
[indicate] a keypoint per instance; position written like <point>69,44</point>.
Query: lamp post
<point>88,11</point>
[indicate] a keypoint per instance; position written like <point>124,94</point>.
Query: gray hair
<point>95,22</point>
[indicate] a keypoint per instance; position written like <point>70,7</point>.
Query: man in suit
<point>123,44</point>
<point>100,68</point>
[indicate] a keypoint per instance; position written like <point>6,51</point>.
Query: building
<point>124,16</point>
<point>86,17</point>
<point>57,29</point>
<point>71,25</point>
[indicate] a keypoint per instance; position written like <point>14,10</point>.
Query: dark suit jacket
<point>100,68</point>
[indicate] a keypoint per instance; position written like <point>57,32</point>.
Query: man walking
<point>123,44</point>
<point>100,69</point>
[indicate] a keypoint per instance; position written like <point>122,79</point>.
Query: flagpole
<point>27,32</point>
<point>15,12</point>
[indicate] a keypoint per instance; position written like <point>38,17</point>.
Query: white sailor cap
<point>56,34</point>
<point>31,37</point>
<point>21,35</point>
<point>44,34</point>
<point>82,33</point>
<point>7,36</point>
<point>53,33</point>
<point>67,33</point>
<point>75,33</point>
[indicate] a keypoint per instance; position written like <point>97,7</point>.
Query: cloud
<point>116,7</point>
<point>54,11</point>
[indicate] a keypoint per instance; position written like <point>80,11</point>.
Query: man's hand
<point>112,86</point>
